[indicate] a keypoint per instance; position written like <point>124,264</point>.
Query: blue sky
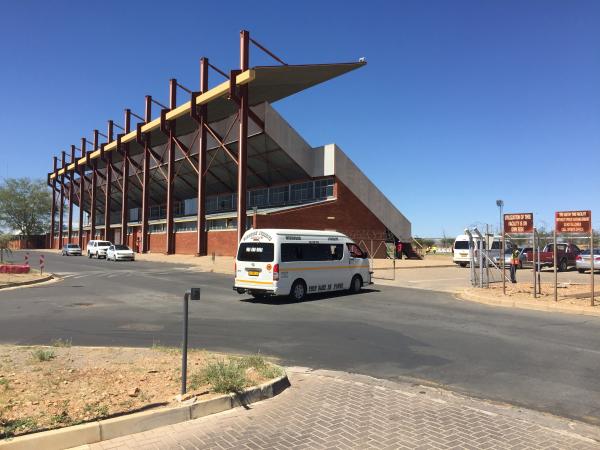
<point>461,103</point>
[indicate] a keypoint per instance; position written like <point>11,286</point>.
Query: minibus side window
<point>355,251</point>
<point>311,252</point>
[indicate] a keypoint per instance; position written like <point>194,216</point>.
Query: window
<point>212,203</point>
<point>324,188</point>
<point>190,206</point>
<point>279,195</point>
<point>225,202</point>
<point>217,224</point>
<point>355,251</point>
<point>311,252</point>
<point>157,212</point>
<point>134,214</point>
<point>178,208</point>
<point>185,226</point>
<point>157,228</point>
<point>302,191</point>
<point>256,252</point>
<point>461,245</point>
<point>258,197</point>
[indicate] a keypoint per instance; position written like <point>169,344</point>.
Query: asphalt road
<point>545,361</point>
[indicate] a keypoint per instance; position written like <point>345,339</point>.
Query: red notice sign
<point>573,221</point>
<point>518,223</point>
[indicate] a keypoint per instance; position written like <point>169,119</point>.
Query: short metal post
<point>592,301</point>
<point>184,345</point>
<point>534,265</point>
<point>555,269</point>
<point>503,262</point>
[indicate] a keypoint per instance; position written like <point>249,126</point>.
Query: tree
<point>25,205</point>
<point>4,246</point>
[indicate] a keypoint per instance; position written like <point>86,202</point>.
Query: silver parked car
<point>583,262</point>
<point>523,251</point>
<point>71,250</point>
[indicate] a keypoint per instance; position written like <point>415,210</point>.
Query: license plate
<point>253,273</point>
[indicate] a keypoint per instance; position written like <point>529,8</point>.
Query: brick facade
<point>346,214</point>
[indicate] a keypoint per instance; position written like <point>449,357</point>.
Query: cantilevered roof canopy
<point>266,84</point>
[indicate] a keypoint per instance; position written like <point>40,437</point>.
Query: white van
<point>462,254</point>
<point>298,262</point>
<point>461,250</point>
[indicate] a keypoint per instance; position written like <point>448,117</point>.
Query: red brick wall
<point>186,242</point>
<point>347,214</point>
<point>222,243</point>
<point>157,242</point>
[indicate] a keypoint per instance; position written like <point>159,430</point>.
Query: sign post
<point>521,223</point>
<point>574,222</point>
<point>192,294</point>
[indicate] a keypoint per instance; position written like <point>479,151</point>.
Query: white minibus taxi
<point>298,262</point>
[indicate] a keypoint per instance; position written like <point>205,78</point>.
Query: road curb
<point>102,430</point>
<point>540,305</point>
<point>27,283</point>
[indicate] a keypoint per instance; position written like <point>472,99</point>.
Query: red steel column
<point>146,178</point>
<point>171,169</point>
<point>108,193</point>
<point>125,183</point>
<point>243,138</point>
<point>62,203</point>
<point>71,182</point>
<point>53,207</point>
<point>81,194</point>
<point>201,249</point>
<point>93,200</point>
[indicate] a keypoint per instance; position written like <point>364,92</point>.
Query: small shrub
<point>43,355</point>
<point>62,342</point>
<point>261,365</point>
<point>8,428</point>
<point>156,345</point>
<point>96,410</point>
<point>4,384</point>
<point>223,376</point>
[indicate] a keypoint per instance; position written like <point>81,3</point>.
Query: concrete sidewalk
<point>325,409</point>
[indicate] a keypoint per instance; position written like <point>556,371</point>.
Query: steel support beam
<point>243,138</point>
<point>81,194</point>
<point>201,233</point>
<point>169,247</point>
<point>125,183</point>
<point>71,182</point>
<point>53,206</point>
<point>94,196</point>
<point>62,203</point>
<point>108,181</point>
<point>146,178</point>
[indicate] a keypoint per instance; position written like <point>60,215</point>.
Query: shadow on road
<point>283,300</point>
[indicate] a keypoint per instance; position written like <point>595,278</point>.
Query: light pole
<point>500,205</point>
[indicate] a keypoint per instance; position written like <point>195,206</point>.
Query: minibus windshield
<point>256,252</point>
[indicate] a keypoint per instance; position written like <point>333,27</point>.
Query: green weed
<point>62,342</point>
<point>43,355</point>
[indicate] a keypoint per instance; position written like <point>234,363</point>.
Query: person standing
<point>399,250</point>
<point>514,263</point>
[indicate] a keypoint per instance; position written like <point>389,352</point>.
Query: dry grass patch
<point>52,387</point>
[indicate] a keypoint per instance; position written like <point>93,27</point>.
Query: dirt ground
<point>6,279</point>
<point>568,293</point>
<point>53,387</point>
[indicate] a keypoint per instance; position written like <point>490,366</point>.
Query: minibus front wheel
<point>356,284</point>
<point>298,291</point>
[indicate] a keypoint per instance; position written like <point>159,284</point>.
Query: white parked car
<point>97,248</point>
<point>120,253</point>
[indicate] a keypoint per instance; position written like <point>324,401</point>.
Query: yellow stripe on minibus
<point>239,280</point>
<point>296,269</point>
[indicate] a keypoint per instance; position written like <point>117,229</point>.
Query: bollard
<point>192,294</point>
<point>42,264</point>
<point>27,258</point>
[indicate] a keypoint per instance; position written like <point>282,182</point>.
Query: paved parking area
<point>454,279</point>
<point>335,410</point>
<point>540,360</point>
